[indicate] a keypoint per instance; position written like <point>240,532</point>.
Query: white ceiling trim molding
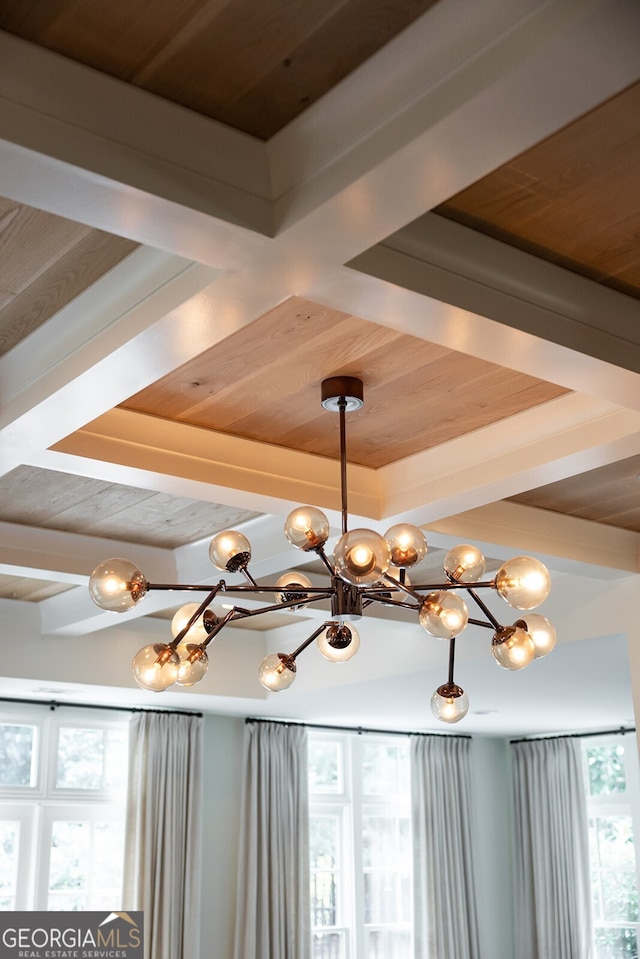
<point>218,467</point>
<point>571,434</point>
<point>566,436</point>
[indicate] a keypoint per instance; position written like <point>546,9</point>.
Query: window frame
<point>615,804</point>
<point>351,805</point>
<point>37,806</point>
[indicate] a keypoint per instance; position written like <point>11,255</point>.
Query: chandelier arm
<point>247,575</point>
<point>480,622</point>
<point>485,609</point>
<point>307,642</point>
<point>199,611</point>
<point>320,591</point>
<point>323,556</point>
<point>185,587</point>
<point>290,604</point>
<point>452,584</point>
<point>387,601</point>
<point>217,627</point>
<point>397,584</point>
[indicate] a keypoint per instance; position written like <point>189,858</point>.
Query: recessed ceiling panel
<point>252,64</point>
<point>573,199</point>
<point>30,590</point>
<point>38,497</point>
<point>263,383</point>
<point>609,495</point>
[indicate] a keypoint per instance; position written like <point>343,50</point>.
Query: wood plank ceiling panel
<point>252,65</point>
<point>573,199</point>
<point>44,498</point>
<point>609,495</point>
<point>46,262</point>
<point>263,383</point>
<point>30,590</point>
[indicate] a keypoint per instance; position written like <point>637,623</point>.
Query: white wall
<point>223,749</point>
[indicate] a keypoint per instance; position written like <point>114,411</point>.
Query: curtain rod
<point>54,704</point>
<point>619,731</point>
<point>353,729</point>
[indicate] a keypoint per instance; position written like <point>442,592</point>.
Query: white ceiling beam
<point>66,557</point>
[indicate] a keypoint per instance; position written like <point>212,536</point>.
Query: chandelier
<point>365,568</point>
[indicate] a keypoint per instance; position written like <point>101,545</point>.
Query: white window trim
<point>619,803</point>
<point>350,803</point>
<point>36,807</point>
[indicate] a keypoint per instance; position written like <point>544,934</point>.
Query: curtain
<point>551,883</point>
<point>163,831</point>
<point>272,919</point>
<point>444,905</point>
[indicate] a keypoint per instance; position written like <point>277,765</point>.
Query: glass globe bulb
<point>512,647</point>
<point>449,703</point>
<point>117,585</point>
<point>277,671</point>
<point>407,545</point>
<point>293,586</point>
<point>443,614</point>
<point>464,563</point>
<point>339,642</point>
<point>230,551</point>
<point>523,582</point>
<point>542,633</point>
<point>361,556</point>
<point>155,667</point>
<point>306,528</point>
<point>194,663</point>
<point>198,632</point>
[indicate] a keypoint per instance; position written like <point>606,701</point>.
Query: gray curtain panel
<point>272,918</point>
<point>551,881</point>
<point>444,905</point>
<point>164,832</point>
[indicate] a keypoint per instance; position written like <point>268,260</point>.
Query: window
<point>360,847</point>
<point>613,801</point>
<point>62,806</point>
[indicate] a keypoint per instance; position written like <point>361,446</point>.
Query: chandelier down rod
<point>365,568</point>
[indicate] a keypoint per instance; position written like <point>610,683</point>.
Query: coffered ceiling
<point>208,208</point>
